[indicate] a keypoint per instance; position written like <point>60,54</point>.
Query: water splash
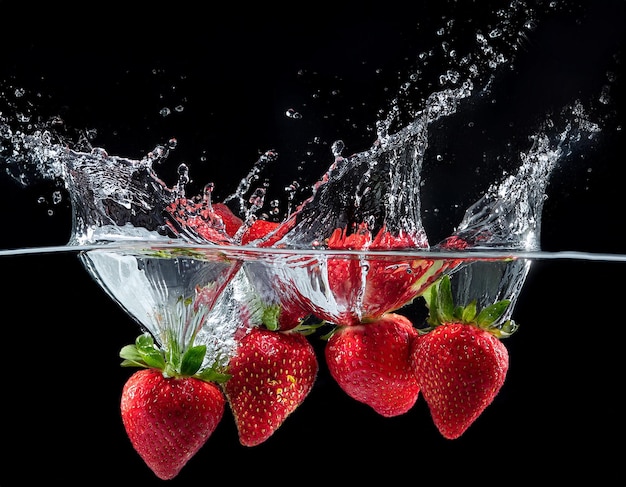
<point>169,293</point>
<point>370,200</point>
<point>509,214</point>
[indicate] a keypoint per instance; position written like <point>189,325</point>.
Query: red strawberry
<point>264,233</point>
<point>232,222</point>
<point>282,311</point>
<point>271,374</point>
<point>366,288</point>
<point>258,229</point>
<point>371,363</point>
<point>460,364</point>
<point>203,221</point>
<point>168,415</point>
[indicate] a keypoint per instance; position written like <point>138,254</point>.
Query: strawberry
<point>371,363</point>
<point>257,230</point>
<point>264,233</point>
<point>232,223</point>
<point>271,374</point>
<point>281,310</point>
<point>460,362</point>
<point>364,289</point>
<point>202,221</point>
<point>169,415</point>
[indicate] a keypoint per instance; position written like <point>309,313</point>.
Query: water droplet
<point>99,152</point>
<point>57,197</point>
<point>291,113</point>
<point>337,148</point>
<point>257,198</point>
<point>605,96</point>
<point>268,156</point>
<point>183,179</point>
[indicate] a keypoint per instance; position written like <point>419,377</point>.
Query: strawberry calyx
<point>442,310</point>
<point>145,353</point>
<point>270,319</point>
<point>270,315</point>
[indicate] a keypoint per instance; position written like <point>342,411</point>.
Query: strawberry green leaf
<point>152,356</point>
<point>468,313</point>
<point>492,313</point>
<point>130,353</point>
<point>215,373</point>
<point>430,295</point>
<point>173,351</point>
<point>192,360</point>
<point>270,317</point>
<point>145,352</point>
<point>507,329</point>
<point>445,301</point>
<point>144,343</point>
<point>210,374</point>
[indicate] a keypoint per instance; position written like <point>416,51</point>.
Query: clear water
<point>168,293</point>
<point>118,201</point>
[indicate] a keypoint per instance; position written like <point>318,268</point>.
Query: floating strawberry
<point>460,362</point>
<point>272,372</point>
<point>202,221</point>
<point>257,230</point>
<point>371,362</point>
<point>264,233</point>
<point>232,223</point>
<point>169,409</point>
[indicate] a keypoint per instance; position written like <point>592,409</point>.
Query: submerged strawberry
<point>271,374</point>
<point>169,414</point>
<point>371,362</point>
<point>366,287</point>
<point>460,363</point>
<point>282,310</point>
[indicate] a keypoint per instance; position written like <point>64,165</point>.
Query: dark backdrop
<point>233,72</point>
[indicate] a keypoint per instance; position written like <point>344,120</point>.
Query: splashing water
<point>508,217</point>
<point>368,201</point>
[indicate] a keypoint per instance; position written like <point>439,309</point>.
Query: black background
<point>236,70</point>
